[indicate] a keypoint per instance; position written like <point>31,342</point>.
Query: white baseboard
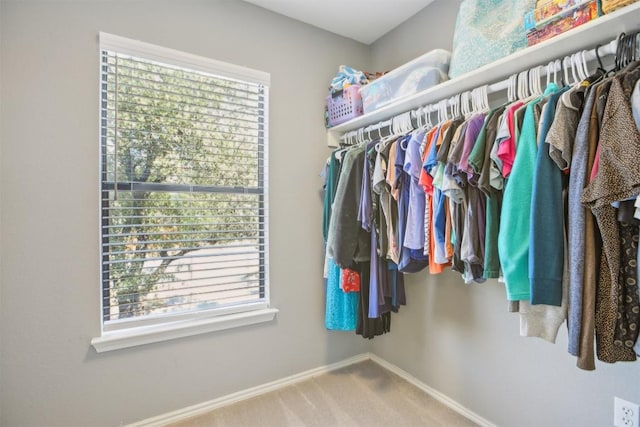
<point>203,408</point>
<point>446,400</point>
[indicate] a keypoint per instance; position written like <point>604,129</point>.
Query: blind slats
<point>178,188</point>
<point>234,119</point>
<point>205,304</point>
<point>105,228</point>
<point>151,259</point>
<point>237,92</point>
<point>191,78</point>
<point>200,267</point>
<point>187,291</point>
<point>184,175</point>
<point>204,134</point>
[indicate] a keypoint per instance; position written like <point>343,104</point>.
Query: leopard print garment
<point>628,318</point>
<point>618,178</point>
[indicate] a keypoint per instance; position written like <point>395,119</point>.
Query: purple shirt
<point>473,129</point>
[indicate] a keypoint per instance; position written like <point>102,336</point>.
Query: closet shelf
<point>586,36</point>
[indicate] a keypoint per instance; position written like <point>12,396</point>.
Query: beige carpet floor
<point>364,394</point>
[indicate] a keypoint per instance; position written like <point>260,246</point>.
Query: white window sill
<point>116,340</point>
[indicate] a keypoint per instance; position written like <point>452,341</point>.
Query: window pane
<point>183,190</point>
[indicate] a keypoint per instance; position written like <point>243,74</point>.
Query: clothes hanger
<point>427,115</point>
<point>599,59</point>
<point>406,121</point>
<point>523,90</point>
<point>535,81</point>
<point>453,105</point>
<point>533,89</point>
<point>473,102</point>
<point>511,88</point>
<point>580,66</point>
<point>548,69</point>
<point>565,71</point>
<point>619,50</point>
<point>575,71</point>
<point>464,103</point>
<point>585,64</point>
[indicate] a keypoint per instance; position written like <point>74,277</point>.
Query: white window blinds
<point>183,185</point>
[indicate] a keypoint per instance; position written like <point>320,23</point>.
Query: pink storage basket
<point>344,106</point>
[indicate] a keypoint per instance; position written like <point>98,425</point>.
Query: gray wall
<point>431,28</point>
<point>460,340</point>
<point>49,218</point>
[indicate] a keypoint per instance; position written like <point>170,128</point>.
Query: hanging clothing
<point>618,178</point>
<point>515,221</point>
<point>340,307</point>
<point>541,192</point>
<point>547,309</point>
<point>563,137</point>
<point>547,240</point>
<point>347,242</point>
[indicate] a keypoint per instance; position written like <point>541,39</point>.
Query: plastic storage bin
<point>344,105</point>
<point>422,73</point>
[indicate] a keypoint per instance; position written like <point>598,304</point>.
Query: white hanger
<point>464,103</point>
<point>406,121</point>
<point>522,88</point>
<point>534,81</point>
<point>445,113</point>
<point>427,115</point>
<point>575,68</point>
<point>539,79</point>
<point>485,97</point>
<point>379,130</point>
<point>511,88</point>
<point>565,70</point>
<point>585,66</point>
<point>451,102</point>
<point>473,101</point>
<point>479,103</point>
<point>548,69</point>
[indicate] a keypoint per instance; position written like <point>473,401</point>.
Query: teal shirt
<point>546,249</point>
<point>515,218</point>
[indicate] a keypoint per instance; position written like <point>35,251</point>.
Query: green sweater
<point>515,218</point>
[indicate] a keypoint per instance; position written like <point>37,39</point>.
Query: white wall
<point>49,214</point>
<point>461,340</point>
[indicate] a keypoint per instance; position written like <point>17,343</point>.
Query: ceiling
<point>361,20</point>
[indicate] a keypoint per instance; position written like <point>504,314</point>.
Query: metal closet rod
<point>400,119</point>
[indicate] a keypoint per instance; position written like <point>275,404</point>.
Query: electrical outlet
<point>625,414</point>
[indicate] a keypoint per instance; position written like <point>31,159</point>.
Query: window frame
<point>122,333</point>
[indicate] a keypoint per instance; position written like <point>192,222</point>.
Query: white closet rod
<point>401,119</point>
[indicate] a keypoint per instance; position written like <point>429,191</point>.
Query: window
<point>183,174</point>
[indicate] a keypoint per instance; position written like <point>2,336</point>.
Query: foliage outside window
<point>183,190</point>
